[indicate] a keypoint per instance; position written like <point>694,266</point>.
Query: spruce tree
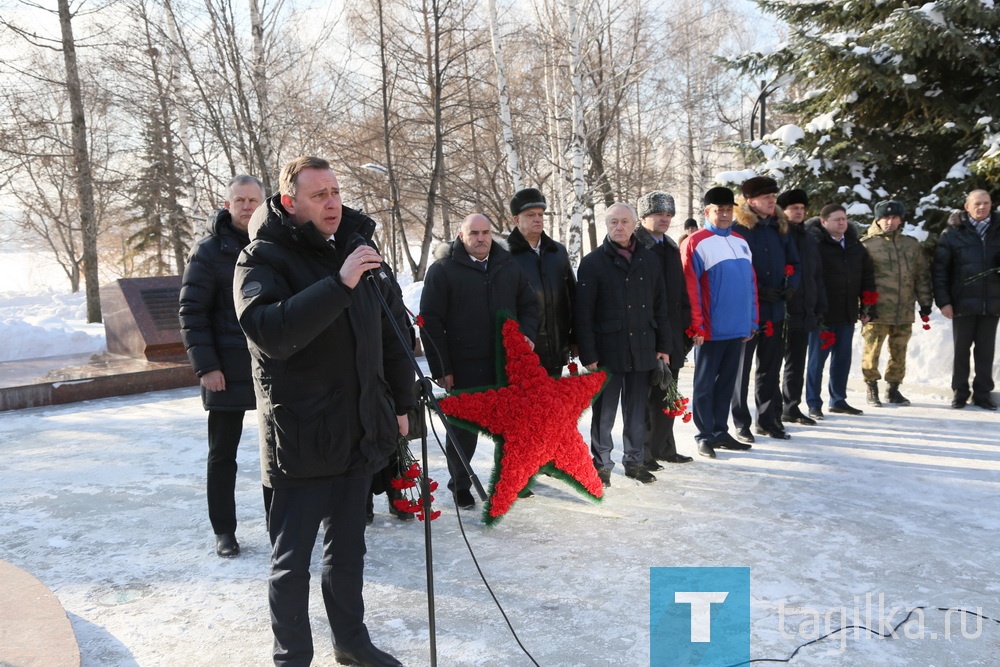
<point>893,99</point>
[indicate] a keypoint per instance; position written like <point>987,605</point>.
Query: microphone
<point>355,241</point>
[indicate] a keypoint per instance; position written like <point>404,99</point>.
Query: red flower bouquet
<point>677,403</point>
<point>868,299</point>
<point>827,339</point>
<point>409,483</point>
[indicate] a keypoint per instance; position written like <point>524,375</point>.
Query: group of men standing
<point>276,299</point>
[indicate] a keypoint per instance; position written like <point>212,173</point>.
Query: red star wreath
<point>533,420</point>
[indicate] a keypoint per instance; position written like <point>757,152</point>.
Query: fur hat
<point>719,196</point>
<point>758,185</point>
<point>526,198</point>
<point>655,202</point>
<point>796,196</point>
<point>884,209</point>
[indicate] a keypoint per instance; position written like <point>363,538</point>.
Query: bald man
<point>966,278</point>
<point>471,281</point>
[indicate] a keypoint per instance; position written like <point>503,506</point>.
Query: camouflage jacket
<point>902,275</point>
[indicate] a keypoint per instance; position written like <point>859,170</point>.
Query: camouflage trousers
<point>873,334</point>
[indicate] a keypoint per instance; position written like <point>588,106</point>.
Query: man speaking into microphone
<point>333,386</point>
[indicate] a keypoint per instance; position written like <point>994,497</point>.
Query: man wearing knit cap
<point>804,307</point>
<point>656,211</point>
<point>722,291</point>
<point>546,265</point>
<point>776,266</point>
<point>902,278</point>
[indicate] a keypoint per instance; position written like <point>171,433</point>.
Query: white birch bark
<point>513,163</point>
<point>577,145</point>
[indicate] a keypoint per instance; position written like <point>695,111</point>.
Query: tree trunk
<point>577,142</point>
<point>81,159</point>
<point>265,153</point>
<point>513,163</point>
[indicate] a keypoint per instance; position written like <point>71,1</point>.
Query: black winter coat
<point>209,329</point>
<point>551,278</point>
<point>771,249</point>
<point>459,305</point>
<point>675,291</point>
<point>621,310</point>
<point>847,272</point>
<point>804,308</point>
<point>329,372</point>
<point>961,254</point>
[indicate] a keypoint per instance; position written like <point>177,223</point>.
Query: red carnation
<point>926,319</point>
<point>687,417</point>
<point>419,321</point>
<point>869,298</point>
<point>574,369</point>
<point>768,328</point>
<point>789,270</point>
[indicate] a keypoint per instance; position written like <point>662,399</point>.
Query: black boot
<point>873,399</point>
<point>893,395</point>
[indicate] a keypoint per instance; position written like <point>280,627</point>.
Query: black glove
<point>768,294</point>
<point>788,293</point>
<point>925,311</point>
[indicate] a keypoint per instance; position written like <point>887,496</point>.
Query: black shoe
<point>959,403</point>
<point>678,458</point>
<point>744,435</point>
<point>639,474</point>
<point>893,395</point>
<point>816,413</point>
<point>464,499</point>
<point>605,475</point>
<point>652,466</point>
<point>845,409</point>
<point>984,403</point>
<point>727,441</point>
<point>798,418</point>
<point>366,656</point>
<point>226,545</point>
<point>705,449</point>
<point>776,433</point>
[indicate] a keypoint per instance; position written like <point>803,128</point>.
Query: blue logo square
<point>699,616</point>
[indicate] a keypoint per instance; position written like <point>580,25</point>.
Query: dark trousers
<point>976,334</point>
<point>466,441</point>
<point>660,443</point>
<point>794,374</point>
<point>633,390</point>
<point>715,376</point>
<point>338,505</point>
<point>224,431</point>
<point>769,351</point>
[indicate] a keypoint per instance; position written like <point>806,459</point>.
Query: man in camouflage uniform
<point>902,278</point>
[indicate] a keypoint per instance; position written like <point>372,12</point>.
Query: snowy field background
<point>104,502</point>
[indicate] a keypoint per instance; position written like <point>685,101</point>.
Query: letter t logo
<point>701,611</point>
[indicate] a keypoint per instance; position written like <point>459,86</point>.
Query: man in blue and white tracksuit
<point>722,289</point>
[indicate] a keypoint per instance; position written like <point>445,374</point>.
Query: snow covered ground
<point>104,502</point>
